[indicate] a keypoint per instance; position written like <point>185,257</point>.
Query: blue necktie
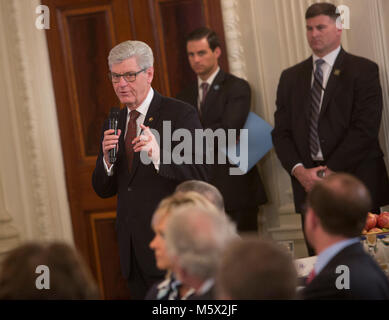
<point>316,90</point>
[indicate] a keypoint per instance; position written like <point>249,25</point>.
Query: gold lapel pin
<point>337,72</point>
<point>151,119</point>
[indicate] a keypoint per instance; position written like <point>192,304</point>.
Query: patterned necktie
<point>131,135</point>
<point>316,90</point>
<point>204,87</point>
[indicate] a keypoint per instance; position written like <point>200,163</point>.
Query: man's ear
<point>218,52</point>
<point>150,74</point>
<point>311,220</point>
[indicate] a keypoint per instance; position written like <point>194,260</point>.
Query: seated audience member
<point>68,276</point>
<point>170,288</point>
<point>205,189</point>
<point>195,239</point>
<point>256,269</point>
<point>336,214</point>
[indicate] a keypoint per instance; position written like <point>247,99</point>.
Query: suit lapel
<point>306,87</point>
<point>332,81</point>
<point>213,92</point>
<point>150,121</point>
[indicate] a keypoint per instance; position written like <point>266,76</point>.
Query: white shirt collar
<point>144,106</point>
<point>329,58</point>
<point>210,79</point>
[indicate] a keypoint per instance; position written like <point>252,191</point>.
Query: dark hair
<point>341,202</point>
<point>204,32</point>
<point>322,8</point>
<point>256,269</point>
<point>207,190</point>
<point>69,277</point>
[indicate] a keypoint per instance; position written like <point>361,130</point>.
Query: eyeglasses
<point>128,76</point>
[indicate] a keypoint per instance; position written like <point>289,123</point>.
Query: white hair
<point>196,237</point>
<point>128,49</point>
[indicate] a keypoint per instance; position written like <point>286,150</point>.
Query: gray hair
<point>196,237</point>
<point>205,189</point>
<point>128,49</point>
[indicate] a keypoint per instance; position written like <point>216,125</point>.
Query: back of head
<point>341,202</point>
<point>180,200</point>
<point>256,269</point>
<point>68,276</point>
<point>322,8</point>
<point>131,48</point>
<point>195,238</point>
<point>204,32</point>
<point>205,189</point>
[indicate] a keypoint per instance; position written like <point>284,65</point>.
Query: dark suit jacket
<point>367,280</point>
<point>227,106</point>
<point>140,191</point>
<point>348,126</point>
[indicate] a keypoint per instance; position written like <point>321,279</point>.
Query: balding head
<point>341,202</point>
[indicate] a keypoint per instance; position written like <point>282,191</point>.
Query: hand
<point>308,177</point>
<point>147,142</point>
<point>110,141</point>
<point>328,172</point>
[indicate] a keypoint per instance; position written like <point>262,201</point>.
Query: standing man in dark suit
<point>223,102</point>
<point>138,185</point>
<point>328,114</point>
<point>336,215</point>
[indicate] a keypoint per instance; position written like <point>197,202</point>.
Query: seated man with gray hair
<point>207,190</point>
<point>195,239</point>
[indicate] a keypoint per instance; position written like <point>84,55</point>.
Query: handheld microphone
<point>113,124</point>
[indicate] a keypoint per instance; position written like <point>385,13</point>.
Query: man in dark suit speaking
<point>223,102</point>
<point>140,184</point>
<point>336,214</point>
<point>329,112</point>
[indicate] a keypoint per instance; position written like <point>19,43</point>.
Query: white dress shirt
<point>329,61</point>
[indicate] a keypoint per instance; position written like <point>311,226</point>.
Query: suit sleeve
<point>365,121</point>
<point>191,170</point>
<point>105,186</point>
<point>282,134</point>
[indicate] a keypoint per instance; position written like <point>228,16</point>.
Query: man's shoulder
<point>188,91</point>
<point>175,105</point>
<point>358,62</point>
<point>297,68</point>
<point>230,83</point>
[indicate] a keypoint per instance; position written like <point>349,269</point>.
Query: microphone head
<point>114,112</point>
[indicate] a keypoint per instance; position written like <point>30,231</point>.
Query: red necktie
<point>131,135</point>
<point>310,277</point>
<point>204,86</point>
